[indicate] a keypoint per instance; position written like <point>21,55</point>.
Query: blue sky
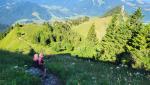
<point>144,4</point>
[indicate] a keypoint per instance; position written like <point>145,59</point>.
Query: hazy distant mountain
<point>11,12</point>
<point>42,10</point>
<point>3,27</point>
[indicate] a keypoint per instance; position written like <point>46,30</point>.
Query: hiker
<point>41,64</point>
<point>35,60</point>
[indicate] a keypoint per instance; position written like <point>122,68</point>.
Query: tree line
<point>126,41</point>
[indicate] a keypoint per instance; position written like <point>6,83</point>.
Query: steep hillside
<point>100,24</point>
<point>26,33</point>
<point>24,43</point>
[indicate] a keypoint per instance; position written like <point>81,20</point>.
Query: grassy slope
<point>100,24</point>
<point>12,69</point>
<point>74,71</point>
<point>12,43</point>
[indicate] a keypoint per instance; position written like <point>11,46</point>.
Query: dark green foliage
<point>68,40</point>
<point>44,37</point>
<point>125,58</point>
<point>138,43</point>
<point>138,30</point>
<point>114,40</point>
<point>31,52</point>
<point>127,42</point>
<point>88,47</point>
<point>18,34</point>
<point>148,38</point>
<point>12,69</point>
<point>36,38</point>
<point>1,35</point>
<point>58,36</point>
<point>18,25</point>
<point>139,47</point>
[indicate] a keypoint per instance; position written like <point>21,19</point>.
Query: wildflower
<point>137,73</point>
<point>111,67</point>
<point>117,67</point>
<point>93,78</point>
<point>73,63</point>
<point>130,74</point>
<point>15,67</point>
<point>25,65</point>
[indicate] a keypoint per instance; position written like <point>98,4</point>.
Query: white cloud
<point>147,9</point>
<point>36,14</point>
<point>131,4</point>
<point>140,1</point>
<point>59,8</point>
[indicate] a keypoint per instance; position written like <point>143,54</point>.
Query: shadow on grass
<point>72,70</point>
<point>92,60</point>
<point>12,69</point>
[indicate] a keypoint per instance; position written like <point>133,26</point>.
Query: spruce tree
<point>90,45</point>
<point>91,36</point>
<point>109,45</point>
<point>135,25</point>
<point>137,44</point>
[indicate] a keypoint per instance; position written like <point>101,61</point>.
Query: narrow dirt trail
<point>50,78</point>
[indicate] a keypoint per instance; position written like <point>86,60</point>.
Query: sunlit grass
<point>76,71</point>
<point>100,26</point>
<point>23,44</point>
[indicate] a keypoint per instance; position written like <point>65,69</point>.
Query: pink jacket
<point>41,60</point>
<point>35,58</point>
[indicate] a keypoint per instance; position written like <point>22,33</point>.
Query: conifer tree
<point>135,25</point>
<point>137,44</point>
<point>91,36</point>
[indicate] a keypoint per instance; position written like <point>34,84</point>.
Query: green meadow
<point>84,51</point>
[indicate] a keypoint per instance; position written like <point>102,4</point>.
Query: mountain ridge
<point>45,10</point>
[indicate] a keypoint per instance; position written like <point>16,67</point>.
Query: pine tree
<point>91,36</point>
<point>90,45</point>
<point>135,25</point>
<point>109,45</point>
<point>135,21</point>
<point>137,44</point>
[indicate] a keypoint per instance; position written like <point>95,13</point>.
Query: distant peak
<point>115,10</point>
